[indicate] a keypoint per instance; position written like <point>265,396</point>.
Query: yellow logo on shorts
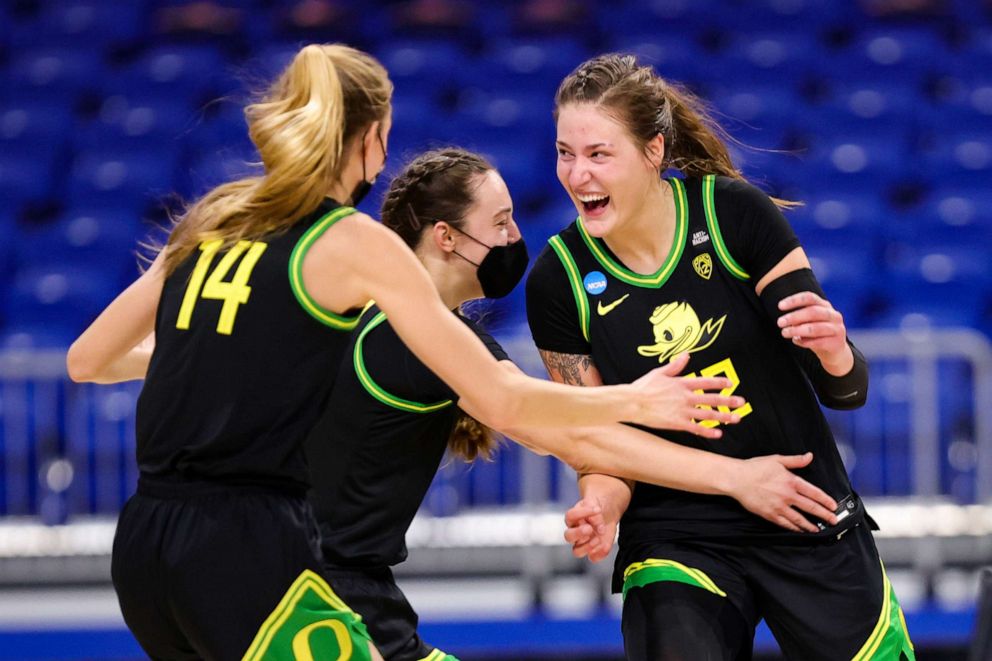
<point>677,329</point>
<point>703,265</point>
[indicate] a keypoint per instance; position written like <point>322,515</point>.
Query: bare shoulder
<point>351,238</point>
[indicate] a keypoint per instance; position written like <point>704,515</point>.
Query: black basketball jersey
<point>700,301</point>
<point>375,451</point>
<point>244,361</point>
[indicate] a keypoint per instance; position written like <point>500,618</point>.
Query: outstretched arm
<point>108,351</point>
<point>763,485</point>
<point>357,259</point>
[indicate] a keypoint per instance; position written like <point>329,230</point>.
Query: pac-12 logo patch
<point>595,283</point>
<point>703,265</point>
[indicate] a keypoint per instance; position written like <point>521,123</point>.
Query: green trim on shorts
<point>438,655</point>
<point>890,637</point>
<point>310,622</point>
<point>654,570</point>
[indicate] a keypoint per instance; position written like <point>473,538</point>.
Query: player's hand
<point>767,487</point>
<point>670,401</point>
<point>811,322</point>
<point>588,530</point>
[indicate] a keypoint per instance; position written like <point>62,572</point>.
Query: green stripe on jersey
<point>375,389</point>
<point>659,277</point>
<point>575,280</point>
<point>709,206</point>
<point>323,315</point>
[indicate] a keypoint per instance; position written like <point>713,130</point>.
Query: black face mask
<point>363,187</point>
<point>501,269</point>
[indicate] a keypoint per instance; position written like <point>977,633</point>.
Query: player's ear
<point>443,236</point>
<point>655,151</point>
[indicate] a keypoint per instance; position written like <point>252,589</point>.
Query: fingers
<point>813,329</point>
<point>796,521</point>
<point>722,401</point>
<point>801,299</point>
<point>676,365</point>
<point>583,509</point>
<point>817,495</point>
<point>697,383</point>
<point>795,460</point>
<point>580,534</point>
<point>702,430</point>
<point>816,509</point>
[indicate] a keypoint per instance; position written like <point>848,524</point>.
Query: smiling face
<point>602,168</point>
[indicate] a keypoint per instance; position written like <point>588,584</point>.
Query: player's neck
<point>452,287</point>
<point>645,239</point>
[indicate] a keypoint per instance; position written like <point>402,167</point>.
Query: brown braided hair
<point>648,105</point>
<point>440,185</point>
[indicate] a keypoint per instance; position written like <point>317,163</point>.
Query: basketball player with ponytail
<point>251,301</point>
<point>704,263</point>
<point>390,420</point>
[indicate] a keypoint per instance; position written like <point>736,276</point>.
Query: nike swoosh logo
<point>849,395</point>
<point>604,310</point>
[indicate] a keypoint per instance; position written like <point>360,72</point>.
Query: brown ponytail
<point>647,105</point>
<point>471,440</point>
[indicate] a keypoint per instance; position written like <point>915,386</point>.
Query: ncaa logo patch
<point>703,265</point>
<point>594,282</point>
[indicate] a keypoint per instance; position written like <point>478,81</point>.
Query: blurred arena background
<point>879,113</point>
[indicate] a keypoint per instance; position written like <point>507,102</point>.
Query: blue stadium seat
<point>762,57</point>
<point>60,296</point>
<point>187,71</point>
<point>24,124</point>
<point>108,175</point>
<point>98,24</point>
<point>535,65</point>
<point>909,54</point>
<point>958,155</point>
<point>678,57</point>
<point>418,64</point>
<point>27,173</point>
<point>57,71</point>
<point>88,237</point>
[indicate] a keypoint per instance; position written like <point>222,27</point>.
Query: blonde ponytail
<point>323,99</point>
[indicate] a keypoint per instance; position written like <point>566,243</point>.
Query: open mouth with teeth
<point>593,202</point>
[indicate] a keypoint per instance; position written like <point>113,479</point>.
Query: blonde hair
<point>648,105</point>
<point>324,98</point>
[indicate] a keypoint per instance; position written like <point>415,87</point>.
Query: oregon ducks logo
<point>677,329</point>
<point>703,265</point>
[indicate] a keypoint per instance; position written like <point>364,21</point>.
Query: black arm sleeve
<point>757,235</point>
<point>837,392</point>
<point>551,309</point>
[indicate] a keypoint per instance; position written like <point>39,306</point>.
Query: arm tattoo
<point>569,366</point>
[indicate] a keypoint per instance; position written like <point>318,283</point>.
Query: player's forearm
<point>629,453</point>
<point>611,493</point>
<point>130,367</point>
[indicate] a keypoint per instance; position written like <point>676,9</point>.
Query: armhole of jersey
<point>572,271</point>
<point>375,389</point>
<point>709,207</point>
<point>323,315</point>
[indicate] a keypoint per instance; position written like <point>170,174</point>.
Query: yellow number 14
<point>233,293</point>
